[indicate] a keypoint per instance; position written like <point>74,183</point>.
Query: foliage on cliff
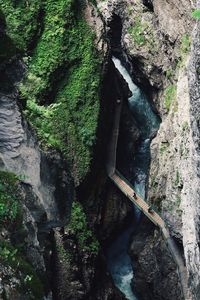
<point>13,262</point>
<point>61,87</point>
<point>196,14</point>
<point>78,224</point>
<point>9,205</point>
<point>21,21</point>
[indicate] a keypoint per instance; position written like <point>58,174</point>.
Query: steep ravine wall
<point>157,37</point>
<point>74,267</point>
<point>44,182</point>
<point>191,232</point>
<point>153,42</point>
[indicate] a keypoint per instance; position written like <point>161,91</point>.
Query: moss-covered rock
<point>62,85</point>
<point>10,209</point>
<point>21,21</point>
<point>18,278</point>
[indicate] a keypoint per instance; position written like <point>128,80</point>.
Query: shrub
<point>78,224</point>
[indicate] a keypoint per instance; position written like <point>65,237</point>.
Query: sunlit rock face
<point>191,215</point>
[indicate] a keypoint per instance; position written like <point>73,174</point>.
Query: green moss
<point>65,70</point>
<point>21,20</point>
<point>11,219</point>
<point>170,96</point>
<point>63,255</point>
<point>30,284</point>
<point>185,44</point>
<point>143,35</point>
<point>137,31</point>
<point>130,9</point>
<point>61,87</point>
<point>177,178</point>
<point>163,148</point>
<point>185,127</point>
<point>169,73</point>
<point>10,211</point>
<point>178,200</point>
<point>196,14</point>
<point>78,225</point>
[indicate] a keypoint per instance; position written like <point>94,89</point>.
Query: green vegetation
<point>61,88</point>
<point>64,72</point>
<point>169,73</point>
<point>177,178</point>
<point>185,44</point>
<point>30,284</point>
<point>170,96</point>
<point>184,49</point>
<point>78,224</point>
<point>9,200</point>
<point>21,20</point>
<point>178,200</point>
<point>130,9</point>
<point>143,35</point>
<point>11,219</point>
<point>185,126</point>
<point>196,14</point>
<point>64,255</point>
<point>137,31</point>
<point>163,148</point>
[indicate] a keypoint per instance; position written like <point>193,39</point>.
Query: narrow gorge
<point>99,150</point>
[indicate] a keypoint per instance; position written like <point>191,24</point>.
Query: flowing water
<point>119,262</point>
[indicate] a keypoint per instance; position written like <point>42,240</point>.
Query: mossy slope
<point>61,87</point>
<point>13,263</point>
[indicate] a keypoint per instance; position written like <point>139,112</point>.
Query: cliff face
<point>45,191</point>
<point>69,256</point>
<point>191,232</point>
<point>157,38</point>
<point>68,110</point>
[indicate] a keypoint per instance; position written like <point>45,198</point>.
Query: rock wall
<point>46,186</point>
<point>48,190</point>
<point>155,271</point>
<point>192,212</point>
<point>157,37</point>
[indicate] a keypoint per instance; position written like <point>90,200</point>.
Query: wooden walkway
<point>139,202</point>
<point>153,216</point>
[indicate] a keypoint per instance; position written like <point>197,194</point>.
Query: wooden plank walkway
<point>139,202</point>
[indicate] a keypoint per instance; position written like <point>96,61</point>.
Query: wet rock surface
<point>80,274</point>
<point>153,265</point>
